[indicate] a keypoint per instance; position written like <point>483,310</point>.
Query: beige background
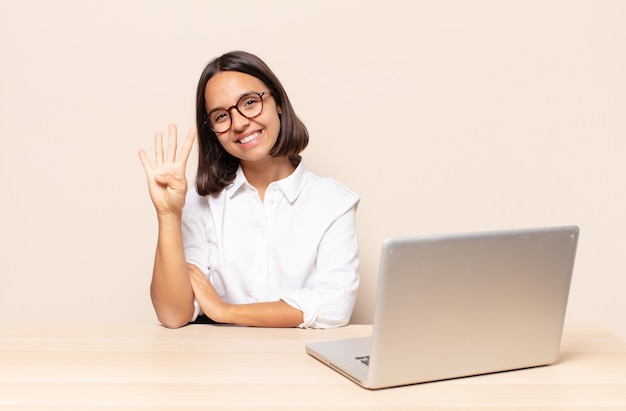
<point>444,116</point>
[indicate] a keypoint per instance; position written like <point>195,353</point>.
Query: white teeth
<point>249,138</point>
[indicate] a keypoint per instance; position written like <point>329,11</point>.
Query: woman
<point>261,241</point>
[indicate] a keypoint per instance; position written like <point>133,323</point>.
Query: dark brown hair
<point>216,167</point>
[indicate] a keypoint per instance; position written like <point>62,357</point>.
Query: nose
<point>237,120</point>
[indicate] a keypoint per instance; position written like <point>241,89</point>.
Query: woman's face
<point>249,139</point>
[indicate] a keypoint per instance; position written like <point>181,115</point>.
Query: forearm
<point>171,291</point>
<point>268,314</point>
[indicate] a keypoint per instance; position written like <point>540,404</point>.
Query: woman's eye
<point>220,117</point>
<point>251,102</point>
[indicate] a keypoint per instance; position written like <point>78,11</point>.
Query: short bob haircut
<point>216,167</point>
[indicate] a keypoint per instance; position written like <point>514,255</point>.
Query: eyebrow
<point>238,98</point>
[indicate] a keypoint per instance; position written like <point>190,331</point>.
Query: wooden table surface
<point>200,367</point>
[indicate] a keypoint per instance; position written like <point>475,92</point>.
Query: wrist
<point>224,313</point>
<point>169,216</point>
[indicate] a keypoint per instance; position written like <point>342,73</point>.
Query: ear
<point>279,110</point>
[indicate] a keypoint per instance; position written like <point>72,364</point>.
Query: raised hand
<point>166,180</point>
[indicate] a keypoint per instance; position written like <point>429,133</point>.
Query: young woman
<point>260,241</point>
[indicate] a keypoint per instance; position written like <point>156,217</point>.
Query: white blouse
<point>299,245</point>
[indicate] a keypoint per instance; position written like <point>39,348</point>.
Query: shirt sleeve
<point>330,300</point>
<point>194,230</point>
<point>194,226</point>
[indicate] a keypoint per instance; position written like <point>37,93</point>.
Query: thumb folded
<point>175,182</point>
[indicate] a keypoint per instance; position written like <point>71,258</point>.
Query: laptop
<point>460,305</point>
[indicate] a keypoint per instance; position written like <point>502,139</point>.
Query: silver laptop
<point>460,305</point>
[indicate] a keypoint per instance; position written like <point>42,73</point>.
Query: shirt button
<point>271,202</point>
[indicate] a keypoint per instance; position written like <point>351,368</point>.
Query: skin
<point>174,282</point>
<point>261,169</point>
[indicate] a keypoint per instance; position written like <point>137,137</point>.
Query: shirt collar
<point>291,186</point>
<point>239,181</point>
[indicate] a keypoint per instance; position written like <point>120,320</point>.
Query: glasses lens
<point>220,121</point>
<point>250,105</point>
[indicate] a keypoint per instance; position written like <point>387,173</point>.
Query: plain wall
<point>445,116</point>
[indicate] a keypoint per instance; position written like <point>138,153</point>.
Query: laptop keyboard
<point>365,359</point>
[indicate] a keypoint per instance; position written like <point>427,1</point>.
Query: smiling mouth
<point>250,138</point>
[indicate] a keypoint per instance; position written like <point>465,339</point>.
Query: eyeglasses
<point>249,105</point>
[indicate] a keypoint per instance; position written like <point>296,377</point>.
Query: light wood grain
<point>148,367</point>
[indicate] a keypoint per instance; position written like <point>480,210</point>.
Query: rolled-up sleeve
<point>330,300</point>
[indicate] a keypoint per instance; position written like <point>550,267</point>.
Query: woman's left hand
<point>261,314</point>
<point>210,302</point>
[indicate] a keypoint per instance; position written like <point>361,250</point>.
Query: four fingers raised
<point>163,158</point>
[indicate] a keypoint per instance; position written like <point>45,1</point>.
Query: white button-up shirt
<point>299,245</point>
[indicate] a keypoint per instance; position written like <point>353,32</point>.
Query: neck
<point>260,174</point>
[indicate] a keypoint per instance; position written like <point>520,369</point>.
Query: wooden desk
<point>148,367</point>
